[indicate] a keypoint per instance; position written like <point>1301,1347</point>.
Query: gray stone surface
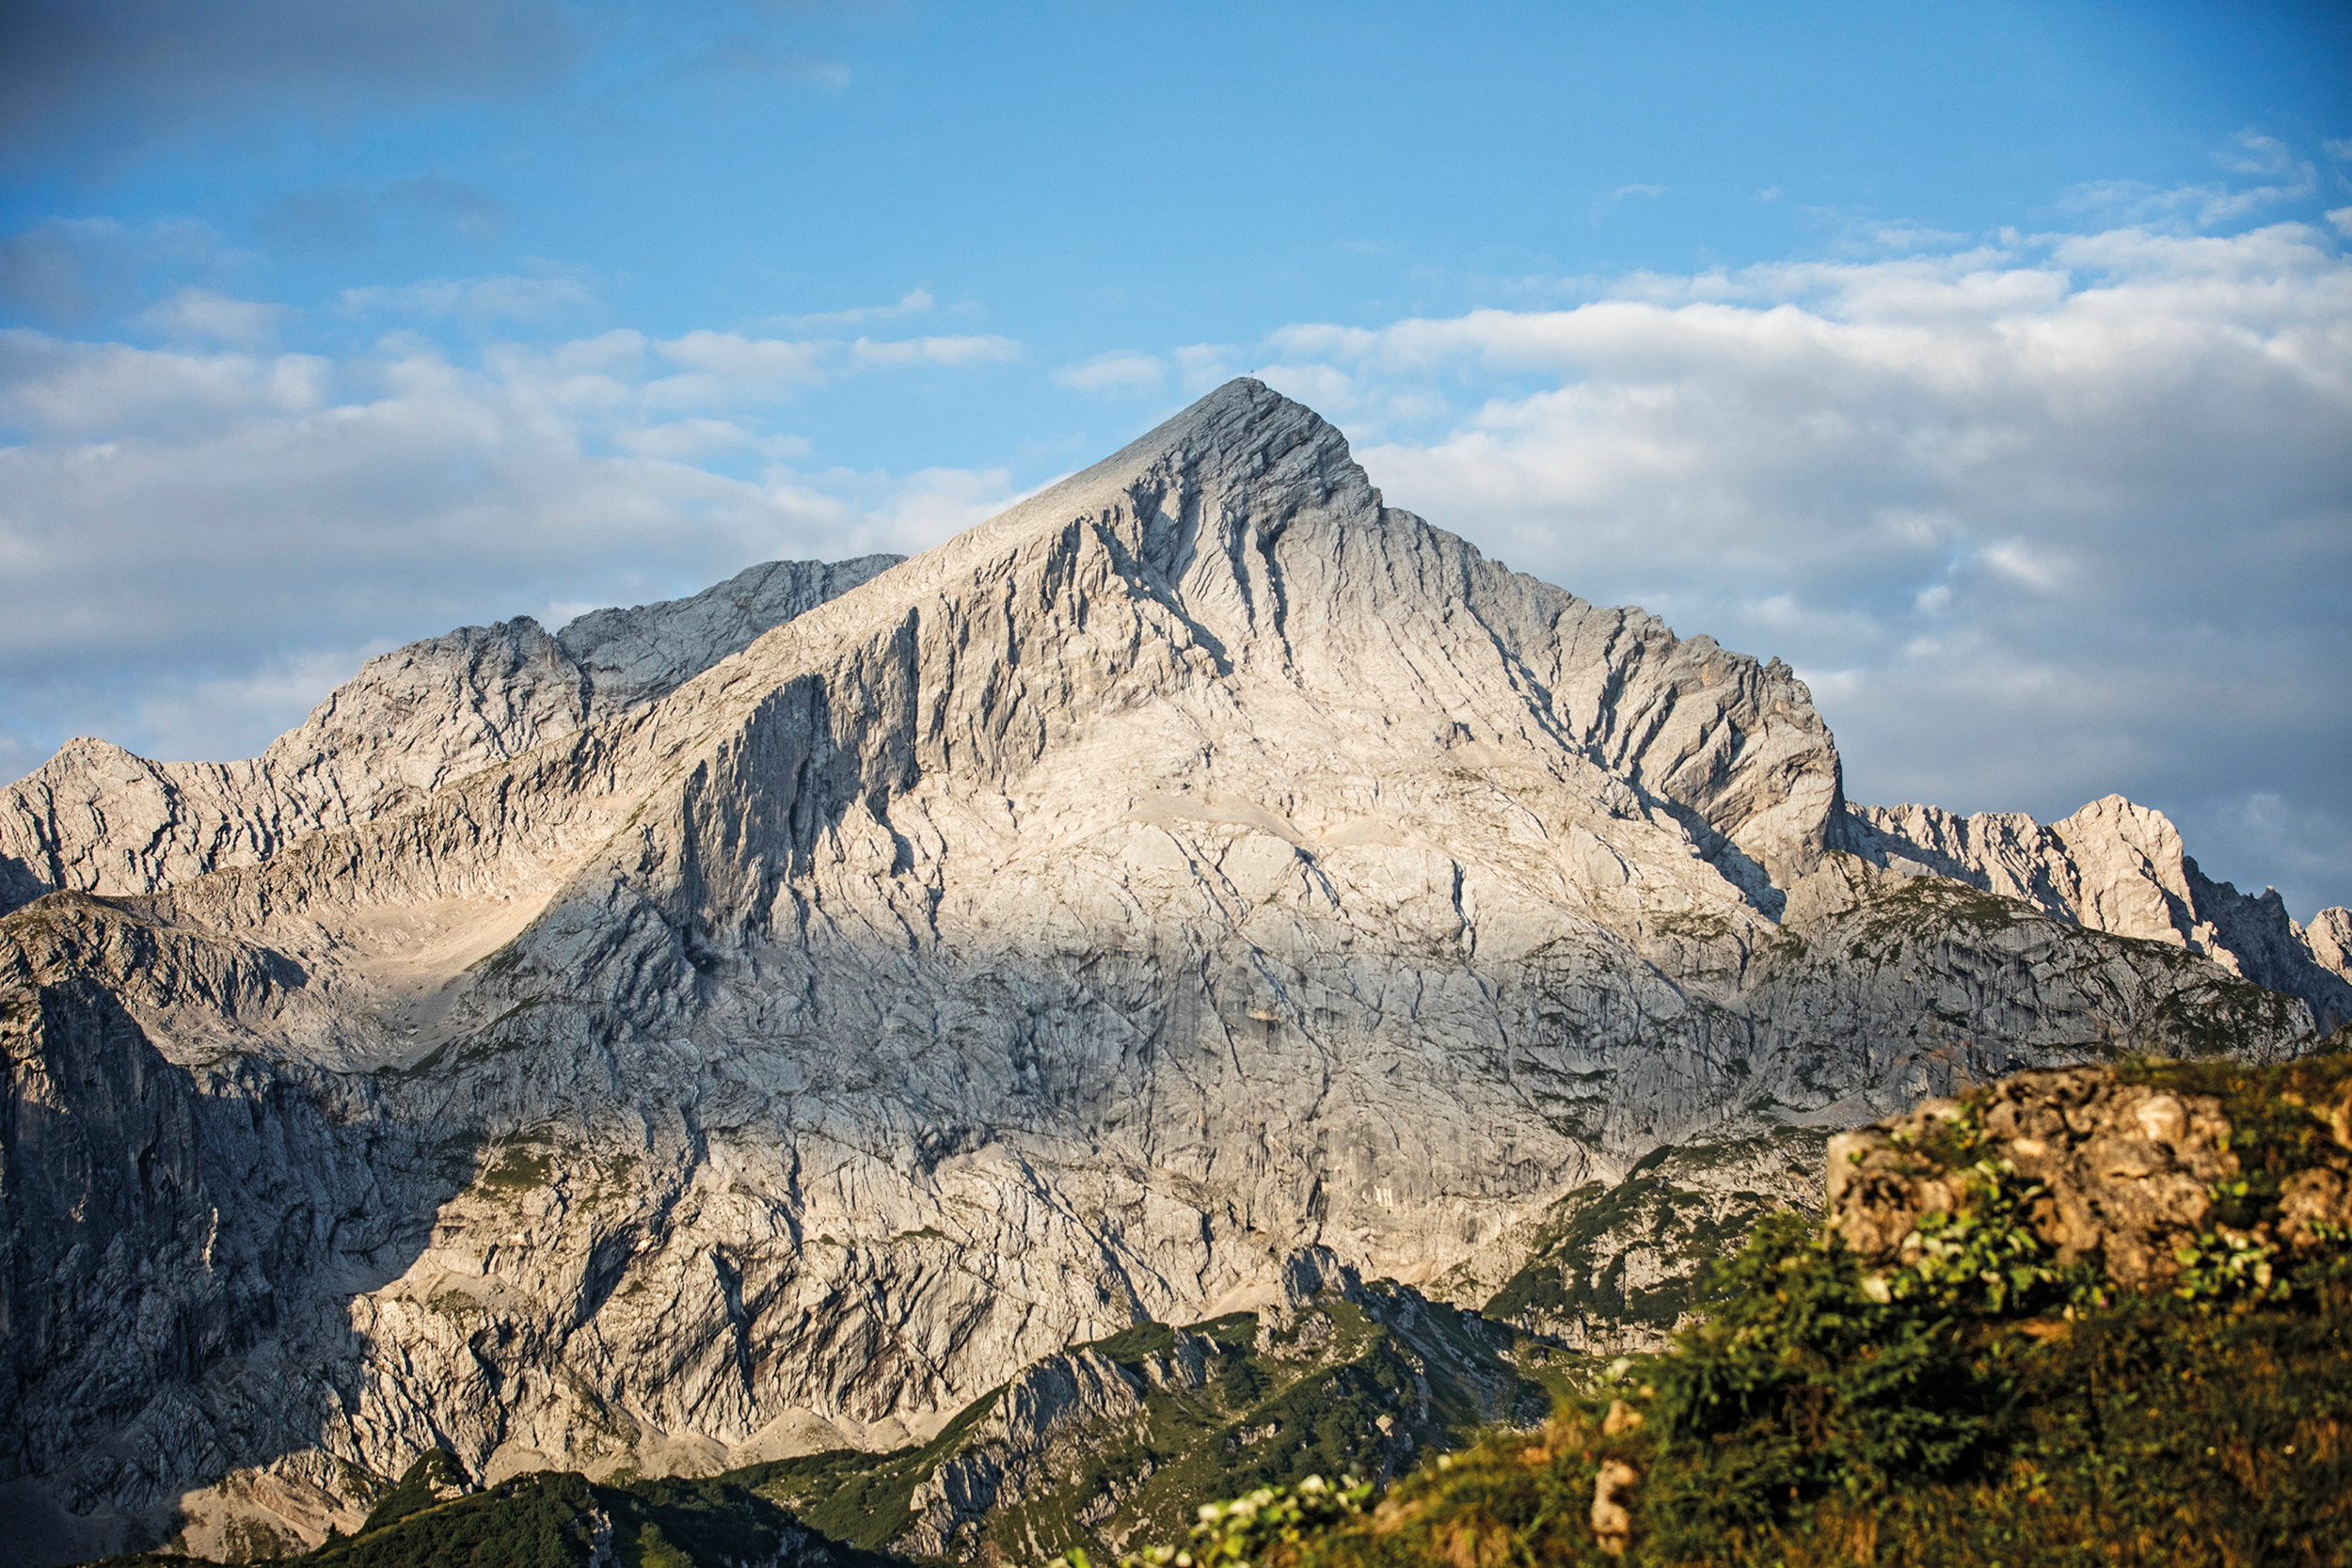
<point>1199,867</point>
<point>2119,867</point>
<point>96,818</point>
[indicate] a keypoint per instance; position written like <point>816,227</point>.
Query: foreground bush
<point>1972,1393</point>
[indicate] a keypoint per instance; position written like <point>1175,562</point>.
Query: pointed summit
<point>1244,436</point>
<point>1243,432</point>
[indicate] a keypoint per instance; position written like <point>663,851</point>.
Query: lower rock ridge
<point>1200,867</point>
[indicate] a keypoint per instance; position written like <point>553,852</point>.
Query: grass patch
<point>517,1169</point>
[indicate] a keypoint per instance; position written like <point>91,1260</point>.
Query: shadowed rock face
<point>1200,864</point>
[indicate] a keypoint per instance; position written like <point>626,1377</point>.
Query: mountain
<point>1199,867</point>
<point>95,818</point>
<point>2119,867</point>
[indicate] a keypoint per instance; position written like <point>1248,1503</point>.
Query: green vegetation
<point>1366,1379</point>
<point>1270,1522</point>
<point>519,1168</point>
<point>431,1480</point>
<point>1982,1404</point>
<point>1579,1280</point>
<point>563,1520</point>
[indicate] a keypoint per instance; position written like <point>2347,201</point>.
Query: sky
<point>1989,362</point>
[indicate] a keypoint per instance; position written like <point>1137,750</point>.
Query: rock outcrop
<point>2128,1177</point>
<point>1198,865</point>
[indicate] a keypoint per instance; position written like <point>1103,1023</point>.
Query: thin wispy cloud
<point>207,316</point>
<point>474,300</point>
<point>1123,373</point>
<point>972,349</point>
<point>914,302</point>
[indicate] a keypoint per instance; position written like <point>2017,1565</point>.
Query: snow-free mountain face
<point>1198,864</point>
<point>98,819</point>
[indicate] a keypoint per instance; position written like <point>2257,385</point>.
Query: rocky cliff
<point>1197,866</point>
<point>96,818</point>
<point>2119,867</point>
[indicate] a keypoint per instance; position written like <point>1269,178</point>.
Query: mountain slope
<point>1198,864</point>
<point>98,819</point>
<point>2121,868</point>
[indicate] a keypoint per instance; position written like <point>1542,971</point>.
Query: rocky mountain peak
<point>98,818</point>
<point>1244,447</point>
<point>2118,866</point>
<point>768,1021</point>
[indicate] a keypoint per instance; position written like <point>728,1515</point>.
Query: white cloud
<point>1123,373</point>
<point>2064,515</point>
<point>1202,366</point>
<point>474,300</point>
<point>57,389</point>
<point>204,316</point>
<point>935,351</point>
<point>194,540</point>
<point>914,302</point>
<point>2252,153</point>
<point>690,439</point>
<point>723,366</point>
<point>185,717</point>
<point>2249,155</point>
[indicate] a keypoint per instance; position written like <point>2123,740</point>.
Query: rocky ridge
<point>97,818</point>
<point>2119,867</point>
<point>1198,865</point>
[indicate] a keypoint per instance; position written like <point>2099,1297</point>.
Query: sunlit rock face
<point>96,818</point>
<point>1198,863</point>
<point>2120,867</point>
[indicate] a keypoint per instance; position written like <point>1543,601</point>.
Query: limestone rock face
<point>2330,938</point>
<point>2118,867</point>
<point>1199,867</point>
<point>96,818</point>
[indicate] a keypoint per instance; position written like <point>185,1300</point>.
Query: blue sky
<point>1989,362</point>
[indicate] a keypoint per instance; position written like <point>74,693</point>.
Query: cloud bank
<point>201,538</point>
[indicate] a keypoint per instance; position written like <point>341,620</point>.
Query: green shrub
<point>1979,1405</point>
<point>1271,1524</point>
